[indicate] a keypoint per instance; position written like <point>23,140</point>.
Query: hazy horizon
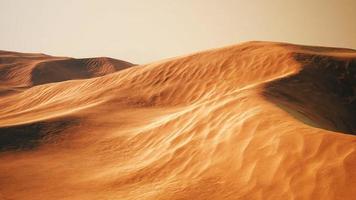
<point>141,32</point>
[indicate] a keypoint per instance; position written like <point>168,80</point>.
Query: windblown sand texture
<point>258,120</point>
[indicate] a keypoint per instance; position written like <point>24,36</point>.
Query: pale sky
<point>142,31</point>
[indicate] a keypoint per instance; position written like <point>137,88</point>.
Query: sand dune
<point>18,71</point>
<point>258,120</point>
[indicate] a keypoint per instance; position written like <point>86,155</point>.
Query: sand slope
<point>258,120</point>
<point>18,71</point>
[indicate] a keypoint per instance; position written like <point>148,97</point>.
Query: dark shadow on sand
<point>322,94</point>
<point>30,136</point>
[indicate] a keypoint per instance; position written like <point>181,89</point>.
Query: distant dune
<point>258,120</point>
<point>21,70</point>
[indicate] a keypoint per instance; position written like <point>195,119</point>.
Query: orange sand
<point>258,120</point>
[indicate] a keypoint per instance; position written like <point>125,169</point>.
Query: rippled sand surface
<point>258,120</point>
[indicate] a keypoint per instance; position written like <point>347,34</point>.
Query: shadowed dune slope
<point>258,120</point>
<point>322,94</point>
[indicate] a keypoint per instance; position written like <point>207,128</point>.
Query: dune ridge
<point>20,71</point>
<point>257,120</point>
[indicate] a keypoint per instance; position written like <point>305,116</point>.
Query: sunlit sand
<point>257,120</point>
